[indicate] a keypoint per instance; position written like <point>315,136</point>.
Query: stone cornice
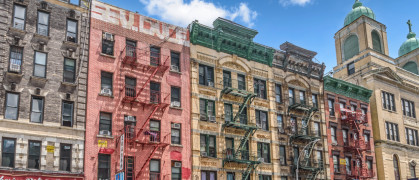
<point>347,89</point>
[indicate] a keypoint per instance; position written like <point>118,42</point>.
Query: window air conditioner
<point>108,36</point>
<point>130,118</point>
<point>204,154</point>
<point>105,132</point>
<point>106,91</point>
<point>176,125</point>
<point>175,104</point>
<point>211,118</point>
<point>174,68</point>
<point>259,125</point>
<point>178,164</point>
<point>210,84</point>
<point>261,159</point>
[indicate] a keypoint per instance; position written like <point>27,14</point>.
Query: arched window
<point>350,47</point>
<point>396,167</point>
<point>412,169</point>
<point>376,42</point>
<point>411,67</point>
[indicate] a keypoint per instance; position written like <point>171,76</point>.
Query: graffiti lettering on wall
<point>139,23</point>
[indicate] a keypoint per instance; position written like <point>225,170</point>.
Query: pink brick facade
<point>140,143</point>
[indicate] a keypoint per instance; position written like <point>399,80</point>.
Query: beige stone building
<point>248,105</point>
<point>363,59</point>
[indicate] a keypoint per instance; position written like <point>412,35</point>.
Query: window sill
<point>107,55</point>
<point>105,95</point>
<point>177,72</point>
<point>69,43</point>
<point>40,36</point>
<point>104,136</point>
<point>16,30</point>
<point>177,145</point>
<point>205,86</point>
<point>174,107</point>
<point>209,157</point>
<point>390,111</point>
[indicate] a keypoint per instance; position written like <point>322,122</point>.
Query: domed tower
<point>360,41</point>
<point>408,60</point>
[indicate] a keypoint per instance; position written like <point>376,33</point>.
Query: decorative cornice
<point>347,89</point>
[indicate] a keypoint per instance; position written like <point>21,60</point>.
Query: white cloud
<point>294,2</point>
<point>183,13</point>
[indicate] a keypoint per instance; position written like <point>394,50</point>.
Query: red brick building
<point>349,130</point>
<point>138,118</point>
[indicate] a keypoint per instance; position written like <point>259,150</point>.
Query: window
<point>108,43</point>
<point>19,16</point>
<point>129,126</point>
<point>154,92</point>
<point>130,87</point>
<point>314,99</point>
<point>392,131</point>
<point>208,145</point>
<point>294,125</point>
<point>154,131</point>
<point>226,79</point>
<point>67,114</point>
<point>104,166</point>
<point>208,175</point>
<point>207,110</point>
<point>176,133</point>
<point>12,106</point>
<point>348,165</point>
<point>364,110</point>
<point>229,148</point>
<point>333,133</point>
<point>345,136</point>
<point>243,116</point>
<point>71,31</point>
<point>350,47</point>
<point>264,152</point>
<point>262,120</point>
<point>282,155</point>
<point>278,93</point>
<point>291,97</point>
<point>129,167</point>
<point>175,63</point>
<point>336,163</point>
<point>369,165</point>
<point>206,75</point>
<point>230,176</point>
<point>8,149</point>
<point>284,178</point>
<point>351,68</point>
<point>241,81</point>
<point>228,112</point>
<point>412,169</point>
<point>40,64</point>
<point>353,107</point>
<point>154,56</point>
<point>105,124</point>
<point>106,83</point>
<point>412,137</point>
<point>265,177</point>
<point>296,154</point>
<point>154,169</point>
<point>408,108</point>
<point>396,167</point>
<point>37,109</point>
<point>302,97</point>
<point>331,104</point>
<point>69,74</point>
<point>176,170</point>
<point>317,131</point>
<point>175,97</point>
<point>260,88</point>
<point>376,42</point>
<point>131,49</point>
<point>65,157</point>
<point>34,154</point>
<point>43,23</point>
<point>279,119</point>
<point>342,104</point>
<point>388,101</point>
<point>15,61</point>
<point>319,156</point>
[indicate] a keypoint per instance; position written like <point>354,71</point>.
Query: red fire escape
<point>139,138</point>
<point>356,144</point>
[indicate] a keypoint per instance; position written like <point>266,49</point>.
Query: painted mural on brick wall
<point>139,23</point>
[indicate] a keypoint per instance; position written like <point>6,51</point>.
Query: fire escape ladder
<point>243,140</point>
<point>250,168</point>
<point>148,119</point>
<point>148,159</point>
<point>129,164</point>
<point>148,81</point>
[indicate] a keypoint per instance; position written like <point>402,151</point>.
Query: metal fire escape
<point>305,161</point>
<point>357,144</point>
<point>241,154</point>
<point>138,137</point>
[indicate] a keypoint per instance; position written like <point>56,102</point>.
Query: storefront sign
<point>50,149</point>
<point>121,153</point>
<point>102,143</point>
<point>342,161</point>
<point>119,176</point>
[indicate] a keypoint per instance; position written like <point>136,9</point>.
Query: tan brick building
<point>245,125</point>
<point>363,59</point>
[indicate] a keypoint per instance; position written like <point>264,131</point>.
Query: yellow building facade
<point>242,123</point>
<point>363,59</point>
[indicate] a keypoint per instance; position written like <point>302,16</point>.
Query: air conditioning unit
<point>174,68</point>
<point>105,132</point>
<point>175,104</point>
<point>106,91</point>
<point>259,125</point>
<point>204,154</point>
<point>130,118</point>
<point>108,36</point>
<point>176,125</point>
<point>178,164</point>
<point>211,118</point>
<point>281,130</point>
<point>261,159</point>
<point>210,84</point>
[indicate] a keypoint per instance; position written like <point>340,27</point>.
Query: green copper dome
<point>357,11</point>
<point>410,44</point>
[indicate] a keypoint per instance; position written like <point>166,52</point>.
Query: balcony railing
<point>130,91</point>
<point>155,97</point>
<point>244,155</point>
<point>154,176</point>
<point>154,136</point>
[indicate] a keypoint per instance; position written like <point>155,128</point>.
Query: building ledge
<point>104,136</point>
<point>108,56</point>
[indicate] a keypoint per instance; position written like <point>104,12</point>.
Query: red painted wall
<point>339,147</point>
<point>97,103</point>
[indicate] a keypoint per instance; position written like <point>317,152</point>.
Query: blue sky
<point>310,24</point>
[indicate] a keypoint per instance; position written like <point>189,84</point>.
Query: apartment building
<point>138,97</point>
<point>44,50</point>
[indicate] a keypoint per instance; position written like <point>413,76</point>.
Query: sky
<point>310,24</point>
